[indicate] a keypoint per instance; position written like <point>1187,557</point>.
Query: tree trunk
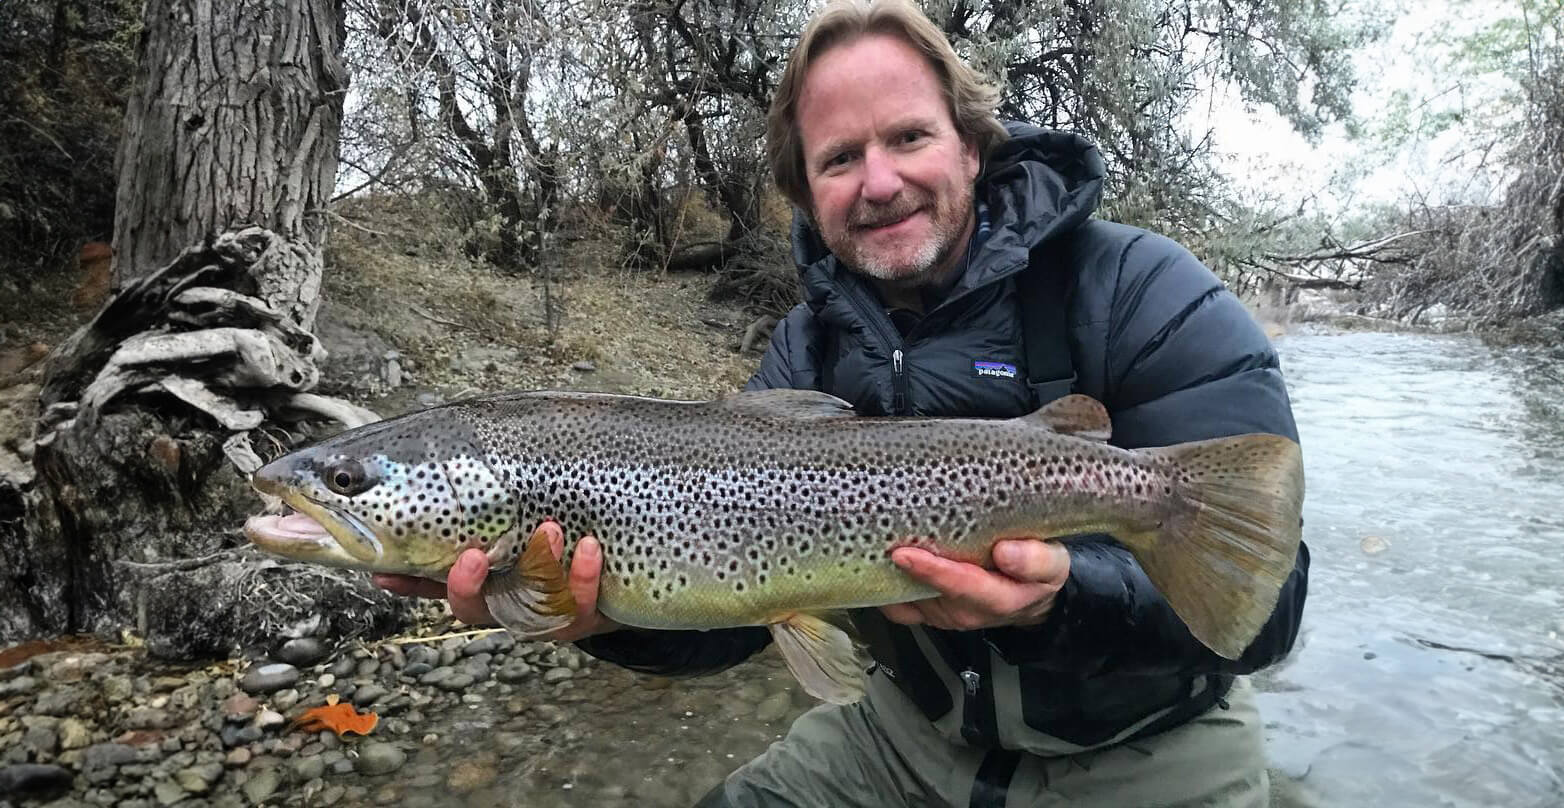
<point>234,120</point>
<point>227,162</point>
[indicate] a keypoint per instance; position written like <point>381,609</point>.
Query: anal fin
<point>532,598</point>
<point>822,654</point>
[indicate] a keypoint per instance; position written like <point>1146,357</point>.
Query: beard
<point>905,263</point>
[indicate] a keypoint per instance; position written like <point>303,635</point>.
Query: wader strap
<point>1044,292</point>
<point>992,783</point>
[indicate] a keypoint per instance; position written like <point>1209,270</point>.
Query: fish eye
<point>348,477</point>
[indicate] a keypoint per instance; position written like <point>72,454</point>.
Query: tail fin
<point>1222,561</point>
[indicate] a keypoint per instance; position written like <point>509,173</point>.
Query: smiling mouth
<point>882,224</point>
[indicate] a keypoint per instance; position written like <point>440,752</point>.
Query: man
<point>1062,676</point>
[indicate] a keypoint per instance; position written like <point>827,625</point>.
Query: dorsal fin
<point>784,403</point>
<point>1075,414</point>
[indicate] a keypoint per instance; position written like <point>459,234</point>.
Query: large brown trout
<point>780,508</point>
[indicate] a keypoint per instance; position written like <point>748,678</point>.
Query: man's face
<point>890,178</point>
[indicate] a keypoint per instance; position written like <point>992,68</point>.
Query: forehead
<point>855,88</point>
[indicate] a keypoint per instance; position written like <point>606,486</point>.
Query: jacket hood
<point>1038,184</point>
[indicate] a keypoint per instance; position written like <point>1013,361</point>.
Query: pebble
<point>238,757</point>
<point>376,758</point>
<point>117,688</point>
<point>422,654</point>
<point>199,779</point>
<point>513,672</point>
<point>301,652</point>
<point>584,366</point>
<point>326,680</point>
<point>470,775</point>
<point>285,699</point>
<point>239,707</point>
<point>74,734</point>
<point>168,792</point>
<point>344,666</point>
<point>309,768</point>
<point>19,686</point>
<point>456,682</point>
<point>269,719</point>
<point>500,642</point>
<point>549,713</point>
<point>369,694</point>
<point>108,755</point>
<point>557,675</point>
<point>33,780</point>
<point>261,785</point>
<point>269,678</point>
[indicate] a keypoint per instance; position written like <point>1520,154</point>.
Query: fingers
<point>464,587</point>
<point>972,597</point>
<point>907,614</point>
<point>949,577</point>
<point>1033,561</point>
<point>586,567</point>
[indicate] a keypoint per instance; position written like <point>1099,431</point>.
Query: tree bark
<point>234,121</point>
<point>227,163</point>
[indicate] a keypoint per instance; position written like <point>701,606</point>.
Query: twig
<point>438,637</point>
<point>464,327</point>
<point>180,565</point>
<point>430,317</point>
<point>350,223</point>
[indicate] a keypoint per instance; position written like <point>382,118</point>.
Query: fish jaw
<point>299,537</point>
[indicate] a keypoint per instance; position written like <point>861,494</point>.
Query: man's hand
<point>464,587</point>
<point>1021,593</point>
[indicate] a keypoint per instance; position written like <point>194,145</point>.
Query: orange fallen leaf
<point>339,718</point>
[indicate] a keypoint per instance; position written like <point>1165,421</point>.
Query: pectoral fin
<point>822,654</point>
<point>531,598</point>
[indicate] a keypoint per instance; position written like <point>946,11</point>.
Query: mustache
<point>868,215</point>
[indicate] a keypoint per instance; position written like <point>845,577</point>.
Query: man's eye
<point>838,160</point>
<point>911,136</point>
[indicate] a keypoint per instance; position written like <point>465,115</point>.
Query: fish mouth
<point>316,532</point>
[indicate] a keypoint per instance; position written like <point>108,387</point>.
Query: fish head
<point>404,496</point>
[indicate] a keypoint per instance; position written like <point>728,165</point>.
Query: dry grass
<point>471,329</point>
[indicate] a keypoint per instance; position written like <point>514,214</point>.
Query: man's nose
<point>881,180</point>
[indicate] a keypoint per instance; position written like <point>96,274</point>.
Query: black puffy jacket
<point>1152,334</point>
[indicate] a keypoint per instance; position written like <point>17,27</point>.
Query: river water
<point>1448,452</point>
<point>1429,670</point>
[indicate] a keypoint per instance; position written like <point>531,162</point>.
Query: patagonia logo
<point>999,369</point>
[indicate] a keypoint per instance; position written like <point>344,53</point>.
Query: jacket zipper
<point>877,320</point>
<point>899,383</point>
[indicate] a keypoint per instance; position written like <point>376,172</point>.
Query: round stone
<point>269,678</point>
<point>375,758</point>
<point>301,652</point>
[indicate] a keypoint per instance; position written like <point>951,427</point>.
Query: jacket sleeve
<point>1185,362</point>
<point>786,363</point>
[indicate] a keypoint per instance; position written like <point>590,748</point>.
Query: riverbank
<point>475,715</point>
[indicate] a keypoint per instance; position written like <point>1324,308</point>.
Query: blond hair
<point>970,98</point>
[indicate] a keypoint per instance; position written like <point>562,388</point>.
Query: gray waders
<point>882,753</point>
